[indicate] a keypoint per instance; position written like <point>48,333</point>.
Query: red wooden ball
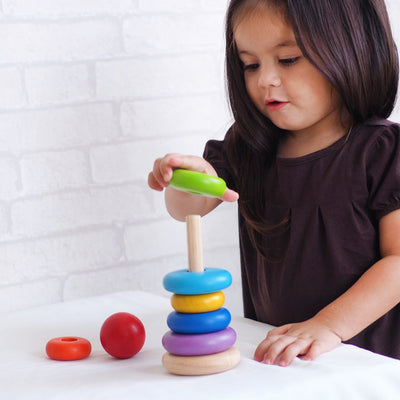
<point>122,335</point>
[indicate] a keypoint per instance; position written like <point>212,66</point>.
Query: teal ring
<point>197,183</point>
<point>212,321</point>
<point>209,281</point>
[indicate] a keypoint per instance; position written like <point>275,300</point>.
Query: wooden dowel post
<point>195,243</point>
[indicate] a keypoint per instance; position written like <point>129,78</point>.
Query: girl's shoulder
<point>375,133</point>
<point>378,160</point>
<point>380,123</point>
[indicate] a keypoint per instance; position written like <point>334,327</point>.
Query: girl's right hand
<point>164,167</point>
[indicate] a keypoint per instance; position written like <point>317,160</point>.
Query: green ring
<point>197,183</point>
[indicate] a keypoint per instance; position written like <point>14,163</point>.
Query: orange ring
<point>68,348</point>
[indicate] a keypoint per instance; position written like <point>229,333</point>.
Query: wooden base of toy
<point>201,365</point>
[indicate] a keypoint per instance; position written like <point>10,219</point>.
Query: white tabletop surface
<point>27,373</point>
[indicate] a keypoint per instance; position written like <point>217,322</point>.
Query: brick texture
<point>92,92</point>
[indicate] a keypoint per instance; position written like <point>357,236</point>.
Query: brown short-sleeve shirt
<point>334,199</point>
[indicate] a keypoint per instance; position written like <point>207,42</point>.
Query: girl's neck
<point>300,143</point>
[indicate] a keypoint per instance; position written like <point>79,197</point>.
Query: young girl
<point>317,167</point>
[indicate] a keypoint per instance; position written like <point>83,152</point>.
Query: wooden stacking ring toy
<point>199,345</point>
<point>198,303</point>
<point>200,341</point>
<point>68,348</point>
<point>201,365</point>
<point>197,183</point>
<point>199,323</point>
<point>185,282</point>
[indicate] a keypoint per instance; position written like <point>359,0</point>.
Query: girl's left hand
<point>307,339</point>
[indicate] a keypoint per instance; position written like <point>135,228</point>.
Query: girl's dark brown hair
<point>350,43</point>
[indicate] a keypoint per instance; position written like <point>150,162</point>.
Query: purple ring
<point>199,344</point>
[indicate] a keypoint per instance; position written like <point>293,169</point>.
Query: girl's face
<point>280,81</point>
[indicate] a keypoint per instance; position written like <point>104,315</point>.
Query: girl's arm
<point>180,204</point>
<point>373,295</point>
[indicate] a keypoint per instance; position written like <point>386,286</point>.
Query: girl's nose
<point>269,77</point>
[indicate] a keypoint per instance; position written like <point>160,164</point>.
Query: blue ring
<point>199,323</point>
<point>209,281</point>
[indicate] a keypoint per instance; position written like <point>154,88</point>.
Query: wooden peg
<point>195,243</point>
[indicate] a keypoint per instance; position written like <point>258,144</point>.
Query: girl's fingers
<point>167,168</point>
<point>298,347</point>
<point>153,183</point>
<point>264,347</point>
<point>230,196</point>
<point>274,351</point>
<point>192,163</point>
<point>307,340</point>
<point>164,167</point>
<point>313,351</point>
<point>282,350</point>
<point>280,330</point>
<point>270,349</point>
<point>170,162</point>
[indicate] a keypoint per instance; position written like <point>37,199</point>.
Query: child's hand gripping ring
<point>198,183</point>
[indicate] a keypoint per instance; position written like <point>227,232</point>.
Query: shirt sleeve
<point>384,172</point>
<point>213,153</point>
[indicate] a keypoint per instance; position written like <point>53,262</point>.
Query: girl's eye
<point>250,67</point>
<point>288,61</point>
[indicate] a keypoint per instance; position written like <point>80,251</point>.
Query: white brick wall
<point>91,92</point>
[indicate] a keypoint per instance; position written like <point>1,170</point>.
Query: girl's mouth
<point>275,105</point>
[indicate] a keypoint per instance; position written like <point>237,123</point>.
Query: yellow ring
<point>197,303</point>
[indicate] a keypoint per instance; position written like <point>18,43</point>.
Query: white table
<point>26,372</point>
